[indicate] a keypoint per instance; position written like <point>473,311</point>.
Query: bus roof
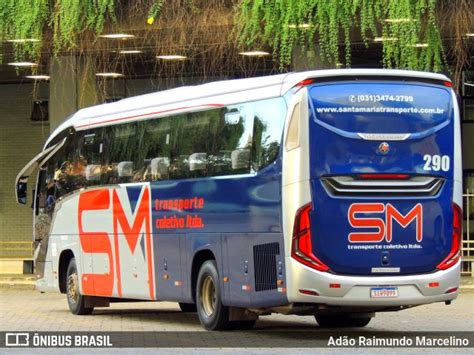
<point>214,94</point>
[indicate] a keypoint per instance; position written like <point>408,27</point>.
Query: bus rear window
<point>380,107</point>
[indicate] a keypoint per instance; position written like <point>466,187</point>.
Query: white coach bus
<point>335,193</point>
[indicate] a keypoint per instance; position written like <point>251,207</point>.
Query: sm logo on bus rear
<point>378,220</point>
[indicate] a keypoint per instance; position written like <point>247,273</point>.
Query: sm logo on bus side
<point>127,228</point>
<point>381,227</point>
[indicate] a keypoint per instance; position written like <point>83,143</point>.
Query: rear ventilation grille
<point>264,261</point>
<point>414,186</point>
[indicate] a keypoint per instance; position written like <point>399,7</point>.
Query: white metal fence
<point>467,266</point>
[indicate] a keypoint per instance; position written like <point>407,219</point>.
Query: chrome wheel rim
<point>209,296</point>
<point>73,288</point>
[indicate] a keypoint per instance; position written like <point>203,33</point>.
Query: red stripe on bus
<point>147,114</point>
<point>117,250</point>
<point>146,198</point>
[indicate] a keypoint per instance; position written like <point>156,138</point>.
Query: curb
<point>10,280</point>
<point>16,286</point>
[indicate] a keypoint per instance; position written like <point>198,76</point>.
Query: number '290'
<point>436,162</point>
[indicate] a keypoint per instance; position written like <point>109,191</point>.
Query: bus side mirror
<point>21,190</point>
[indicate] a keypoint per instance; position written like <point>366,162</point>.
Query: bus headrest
<point>92,172</point>
<point>159,166</point>
<point>125,169</point>
<point>197,161</point>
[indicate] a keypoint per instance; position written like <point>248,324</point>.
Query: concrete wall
<point>20,140</point>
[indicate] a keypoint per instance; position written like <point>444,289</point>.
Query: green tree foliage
<point>24,19</point>
<point>408,27</point>
<point>65,19</point>
<point>70,18</point>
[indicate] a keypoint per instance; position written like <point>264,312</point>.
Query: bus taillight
<point>454,254</point>
<point>302,249</point>
<point>305,82</point>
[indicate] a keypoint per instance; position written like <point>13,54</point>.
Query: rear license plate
<point>384,292</point>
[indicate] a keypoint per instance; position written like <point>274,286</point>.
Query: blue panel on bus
<point>228,204</point>
<point>226,215</point>
<point>356,230</point>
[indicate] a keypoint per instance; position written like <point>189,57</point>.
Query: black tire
<point>343,320</point>
<point>212,314</point>
<point>187,307</point>
<point>75,300</point>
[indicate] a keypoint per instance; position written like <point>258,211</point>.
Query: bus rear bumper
<point>342,290</point>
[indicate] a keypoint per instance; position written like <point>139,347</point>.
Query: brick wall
<point>20,140</point>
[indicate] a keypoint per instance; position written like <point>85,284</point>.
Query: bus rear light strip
<point>411,186</point>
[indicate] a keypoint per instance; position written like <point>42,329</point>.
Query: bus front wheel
<point>213,315</point>
<point>75,300</point>
<point>343,320</point>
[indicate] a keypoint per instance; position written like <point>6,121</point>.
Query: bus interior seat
<point>93,172</point>
<point>160,168</point>
<point>197,161</point>
<point>125,170</point>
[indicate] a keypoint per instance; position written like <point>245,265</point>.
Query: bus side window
<point>54,176</point>
<point>230,140</point>
<point>192,143</point>
<point>49,188</point>
<point>85,166</point>
<point>153,153</point>
<point>267,132</point>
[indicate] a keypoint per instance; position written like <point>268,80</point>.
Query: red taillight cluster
<point>302,248</point>
<point>454,254</point>
<point>305,82</point>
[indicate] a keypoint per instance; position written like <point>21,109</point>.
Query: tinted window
<point>55,178</point>
<point>230,140</point>
<point>121,154</point>
<point>88,159</point>
<point>214,142</point>
<point>268,129</point>
<point>207,143</point>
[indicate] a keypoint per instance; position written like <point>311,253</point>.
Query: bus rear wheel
<point>213,315</point>
<point>75,300</point>
<point>343,320</point>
